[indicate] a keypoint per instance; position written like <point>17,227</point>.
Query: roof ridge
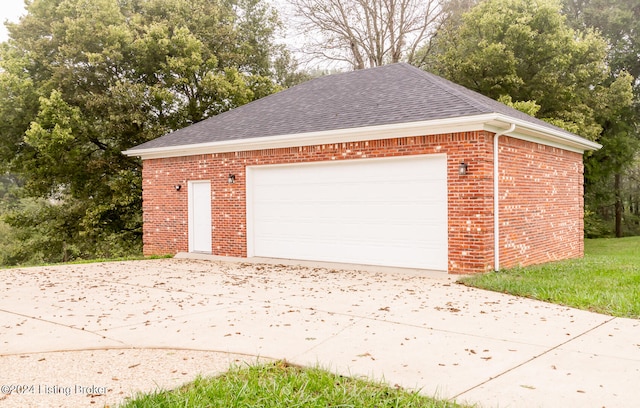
<point>448,86</point>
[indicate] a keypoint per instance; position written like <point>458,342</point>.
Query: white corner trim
<point>491,122</point>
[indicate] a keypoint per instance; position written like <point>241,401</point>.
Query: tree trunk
<point>619,208</point>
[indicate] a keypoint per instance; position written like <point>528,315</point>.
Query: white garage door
<point>390,212</point>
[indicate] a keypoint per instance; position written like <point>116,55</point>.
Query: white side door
<point>200,216</point>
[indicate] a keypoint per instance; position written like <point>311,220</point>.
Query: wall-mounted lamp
<point>177,187</point>
<point>231,179</point>
<point>462,169</point>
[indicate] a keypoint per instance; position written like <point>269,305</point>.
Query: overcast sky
<point>9,10</point>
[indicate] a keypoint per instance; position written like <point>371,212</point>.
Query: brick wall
<point>470,199</point>
<point>541,203</point>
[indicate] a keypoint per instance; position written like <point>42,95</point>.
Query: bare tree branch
<point>367,33</point>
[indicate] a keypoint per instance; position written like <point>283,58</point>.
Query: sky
<point>9,10</point>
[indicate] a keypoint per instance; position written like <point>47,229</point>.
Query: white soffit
<point>491,122</point>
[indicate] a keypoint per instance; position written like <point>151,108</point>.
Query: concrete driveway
<point>126,326</point>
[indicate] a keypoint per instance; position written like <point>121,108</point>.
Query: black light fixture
<point>231,179</point>
<point>177,187</point>
<point>462,169</point>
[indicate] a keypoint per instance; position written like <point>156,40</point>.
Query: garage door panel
<point>376,211</point>
<point>348,192</point>
<point>380,214</point>
<point>381,253</point>
<point>342,232</point>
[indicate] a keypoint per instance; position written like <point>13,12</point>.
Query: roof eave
<point>545,135</point>
<point>491,122</point>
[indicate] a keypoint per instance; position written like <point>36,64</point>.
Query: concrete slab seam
<point>60,324</point>
<point>132,348</point>
<point>180,316</point>
<point>533,358</point>
<point>417,326</point>
<point>328,338</point>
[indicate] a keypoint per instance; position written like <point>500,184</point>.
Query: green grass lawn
<point>606,280</point>
<point>282,385</point>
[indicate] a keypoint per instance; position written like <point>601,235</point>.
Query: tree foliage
<point>612,190</point>
<point>618,21</point>
<point>83,80</point>
<point>527,51</point>
<point>527,54</point>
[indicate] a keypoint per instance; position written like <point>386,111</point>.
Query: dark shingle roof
<point>392,94</point>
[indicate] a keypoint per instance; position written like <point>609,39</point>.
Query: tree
<point>618,21</point>
<point>84,80</point>
<point>525,49</point>
<point>609,191</point>
<point>606,168</point>
<point>450,20</point>
<point>525,54</point>
<point>367,33</point>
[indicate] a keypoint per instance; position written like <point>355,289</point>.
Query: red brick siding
<point>470,201</point>
<point>541,203</point>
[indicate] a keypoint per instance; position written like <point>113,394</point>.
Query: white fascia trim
<point>491,122</point>
<point>463,124</point>
<point>546,136</point>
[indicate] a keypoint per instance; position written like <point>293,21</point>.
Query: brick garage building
<point>387,166</point>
